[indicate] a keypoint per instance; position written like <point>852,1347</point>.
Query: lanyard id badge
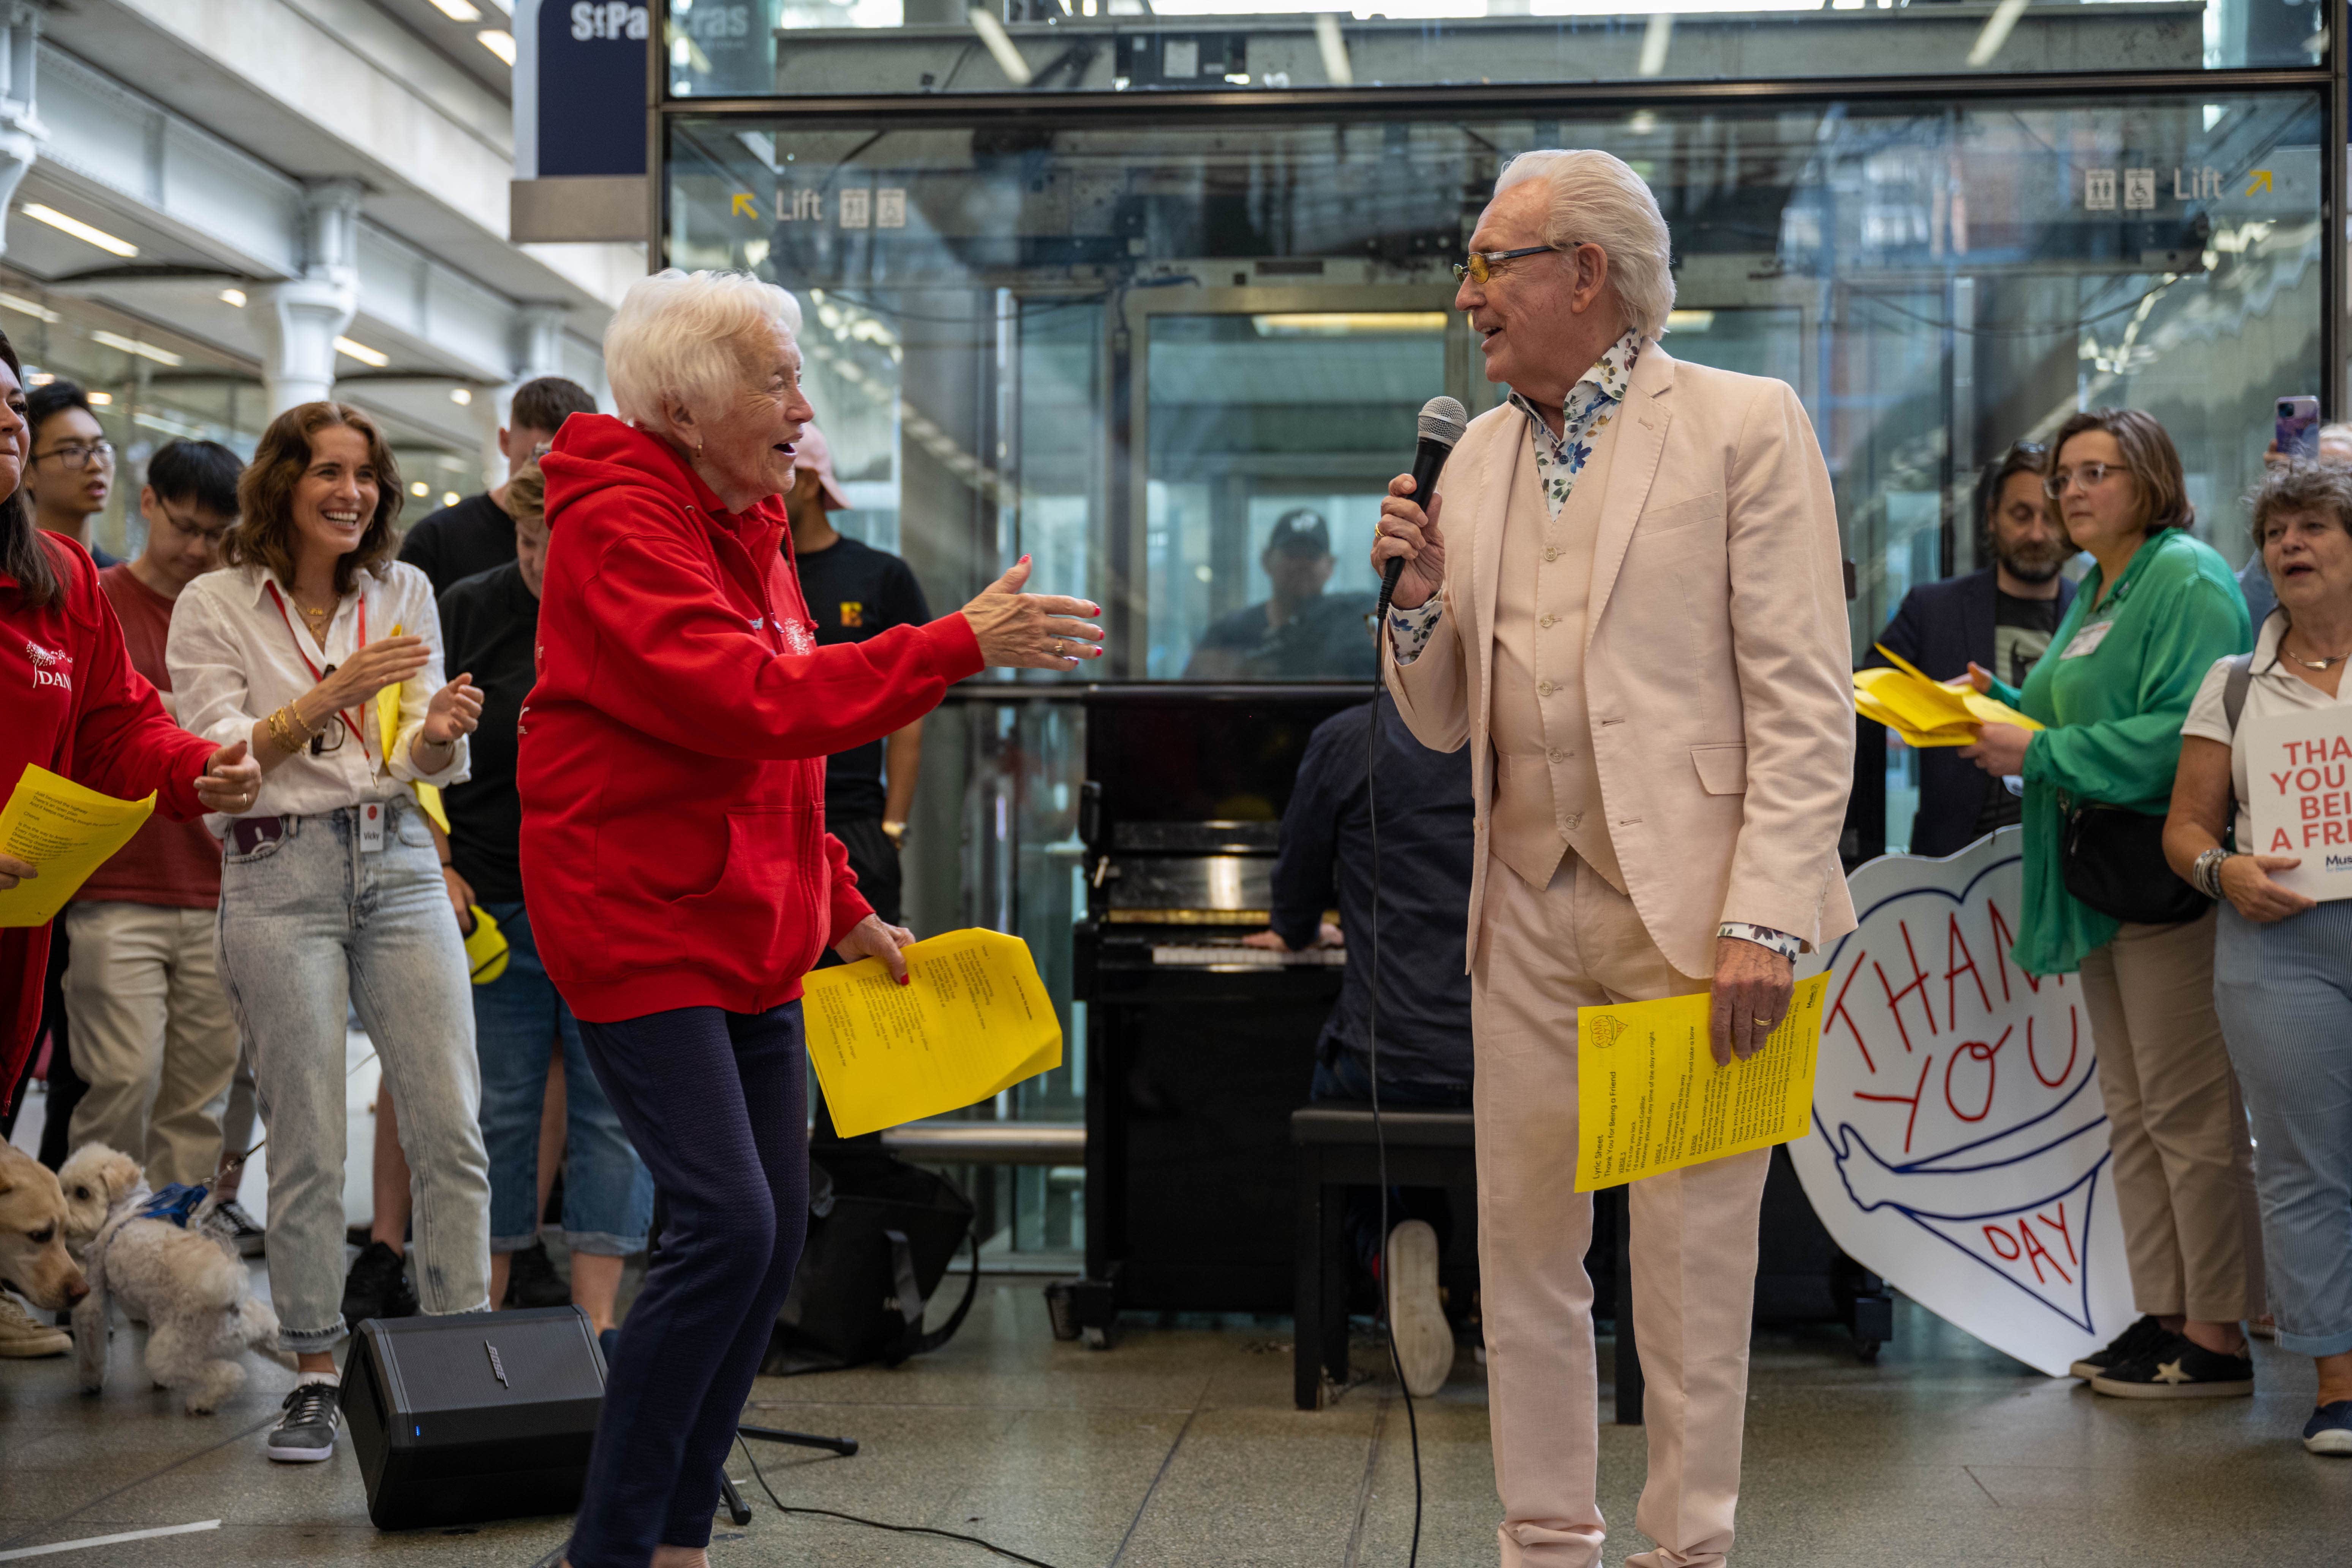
<point>372,816</point>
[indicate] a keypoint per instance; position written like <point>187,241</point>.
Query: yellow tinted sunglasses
<point>1481,263</point>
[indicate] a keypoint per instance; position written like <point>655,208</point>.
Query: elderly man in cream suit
<point>1626,600</point>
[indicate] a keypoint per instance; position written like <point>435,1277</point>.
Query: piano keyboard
<point>1235,953</point>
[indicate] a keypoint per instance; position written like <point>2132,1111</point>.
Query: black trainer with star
<point>306,1433</point>
<point>2329,1430</point>
<point>2177,1367</point>
<point>2121,1348</point>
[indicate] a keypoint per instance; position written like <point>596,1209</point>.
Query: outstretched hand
<point>231,780</point>
<point>1033,631</point>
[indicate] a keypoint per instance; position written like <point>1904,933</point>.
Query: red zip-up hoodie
<point>71,703</point>
<point>672,753</point>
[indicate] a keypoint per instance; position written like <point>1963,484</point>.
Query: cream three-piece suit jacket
<point>1715,664</point>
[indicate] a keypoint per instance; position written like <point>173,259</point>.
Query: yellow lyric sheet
<point>973,1020</point>
<point>66,831</point>
<point>1650,1099</point>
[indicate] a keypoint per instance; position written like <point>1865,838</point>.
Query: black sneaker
<point>249,1238</point>
<point>2177,1367</point>
<point>532,1282</point>
<point>2142,1335</point>
<point>377,1287</point>
<point>306,1433</point>
<point>2329,1430</point>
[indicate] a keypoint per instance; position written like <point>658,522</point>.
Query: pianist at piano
<point>1424,863</point>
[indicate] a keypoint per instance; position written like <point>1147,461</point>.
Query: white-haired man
<point>1626,599</point>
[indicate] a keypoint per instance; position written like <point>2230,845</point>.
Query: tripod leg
<point>842,1446</point>
<point>732,1501</point>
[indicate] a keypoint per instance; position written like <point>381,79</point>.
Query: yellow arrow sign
<point>744,207</point>
<point>2260,182</point>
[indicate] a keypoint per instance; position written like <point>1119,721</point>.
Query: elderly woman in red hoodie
<point>674,852</point>
<point>71,703</point>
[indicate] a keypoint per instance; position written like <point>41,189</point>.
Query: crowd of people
<point>346,709</point>
<point>2219,999</point>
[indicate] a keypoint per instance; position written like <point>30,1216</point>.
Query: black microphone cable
<point>1380,1137</point>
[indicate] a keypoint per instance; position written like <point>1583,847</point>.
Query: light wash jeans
<point>309,924</point>
<point>519,1023</point>
<point>2285,994</point>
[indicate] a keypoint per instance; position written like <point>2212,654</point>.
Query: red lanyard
<point>342,716</point>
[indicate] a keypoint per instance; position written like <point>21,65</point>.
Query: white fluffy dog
<point>188,1285</point>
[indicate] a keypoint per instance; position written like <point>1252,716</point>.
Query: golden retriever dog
<point>188,1285</point>
<point>33,1258</point>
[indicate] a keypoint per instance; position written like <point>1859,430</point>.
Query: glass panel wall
<point>838,47</point>
<point>1179,362</point>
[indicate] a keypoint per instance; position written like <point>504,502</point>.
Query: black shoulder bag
<point>2113,857</point>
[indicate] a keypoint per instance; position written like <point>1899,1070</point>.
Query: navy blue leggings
<point>717,1103</point>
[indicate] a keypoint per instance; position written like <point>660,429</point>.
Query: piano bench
<point>1336,1150</point>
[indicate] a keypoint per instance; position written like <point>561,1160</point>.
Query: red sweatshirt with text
<point>71,703</point>
<point>672,753</point>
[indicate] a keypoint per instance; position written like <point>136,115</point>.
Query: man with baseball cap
<point>1299,632</point>
<point>854,591</point>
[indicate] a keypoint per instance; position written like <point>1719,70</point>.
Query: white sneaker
<point>23,1339</point>
<point>1424,1340</point>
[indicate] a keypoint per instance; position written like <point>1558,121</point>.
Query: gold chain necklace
<point>2325,663</point>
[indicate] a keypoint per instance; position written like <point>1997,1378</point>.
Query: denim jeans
<point>310,923</point>
<point>718,1102</point>
<point>2285,994</point>
<point>518,1021</point>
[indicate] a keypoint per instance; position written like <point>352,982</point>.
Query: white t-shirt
<point>2274,690</point>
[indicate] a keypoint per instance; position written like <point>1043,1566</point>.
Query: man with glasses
<point>151,1029</point>
<point>476,534</point>
<point>70,474</point>
<point>1625,599</point>
<point>2001,618</point>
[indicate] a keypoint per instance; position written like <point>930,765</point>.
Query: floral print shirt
<point>1591,404</point>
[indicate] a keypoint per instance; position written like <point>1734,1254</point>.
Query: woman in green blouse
<point>2125,663</point>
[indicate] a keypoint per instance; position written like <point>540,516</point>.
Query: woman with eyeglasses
<point>2155,612</point>
<point>332,893</point>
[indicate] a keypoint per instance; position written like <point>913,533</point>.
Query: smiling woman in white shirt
<point>2282,961</point>
<point>330,886</point>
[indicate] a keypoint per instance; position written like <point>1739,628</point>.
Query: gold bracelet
<point>277,732</point>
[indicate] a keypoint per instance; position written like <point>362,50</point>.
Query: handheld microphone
<point>1443,420</point>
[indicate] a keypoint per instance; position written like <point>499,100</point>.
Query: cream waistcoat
<point>1547,790</point>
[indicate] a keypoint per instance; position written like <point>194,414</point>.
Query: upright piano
<point>1198,1049</point>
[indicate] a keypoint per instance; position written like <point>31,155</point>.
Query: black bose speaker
<point>475,1416</point>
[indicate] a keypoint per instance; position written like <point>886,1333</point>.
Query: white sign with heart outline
<point>1959,1141</point>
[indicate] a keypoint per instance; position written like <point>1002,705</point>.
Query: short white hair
<point>1598,199</point>
<point>691,338</point>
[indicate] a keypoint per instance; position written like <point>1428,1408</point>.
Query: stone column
<point>22,135</point>
<point>297,320</point>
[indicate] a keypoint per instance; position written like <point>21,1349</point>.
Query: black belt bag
<point>2115,862</point>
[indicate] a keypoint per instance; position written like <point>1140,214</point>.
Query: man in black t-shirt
<point>854,591</point>
<point>477,533</point>
<point>2001,618</point>
<point>490,626</point>
<point>1298,632</point>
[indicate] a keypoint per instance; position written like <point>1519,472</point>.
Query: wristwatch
<point>897,833</point>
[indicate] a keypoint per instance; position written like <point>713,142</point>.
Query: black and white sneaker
<point>2329,1430</point>
<point>306,1433</point>
<point>377,1287</point>
<point>2142,1335</point>
<point>2177,1367</point>
<point>249,1238</point>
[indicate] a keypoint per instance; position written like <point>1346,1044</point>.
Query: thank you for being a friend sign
<point>2299,790</point>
